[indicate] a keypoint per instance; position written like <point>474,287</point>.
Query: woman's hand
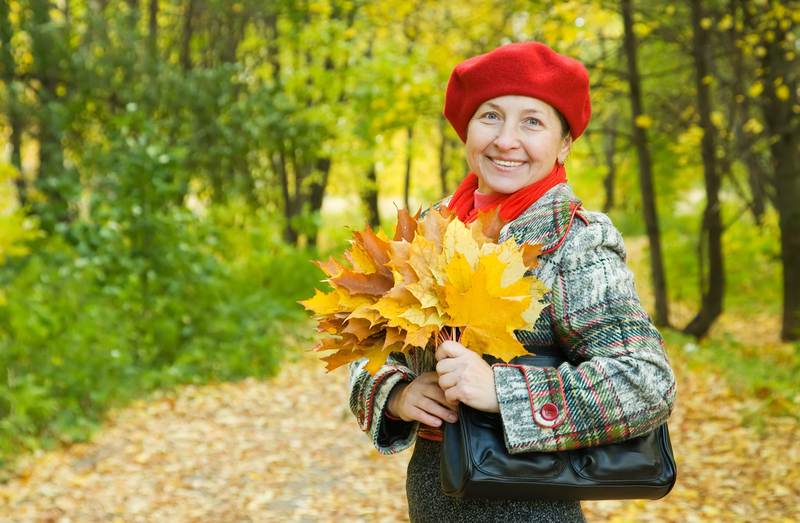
<point>465,377</point>
<point>421,400</point>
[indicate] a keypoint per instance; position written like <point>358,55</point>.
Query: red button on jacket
<point>549,411</point>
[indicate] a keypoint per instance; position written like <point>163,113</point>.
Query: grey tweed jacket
<point>617,384</point>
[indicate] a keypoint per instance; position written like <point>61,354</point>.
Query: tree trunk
<point>271,22</point>
<point>645,173</point>
<point>233,38</point>
<point>57,184</point>
<point>16,141</point>
<point>186,36</point>
<point>609,151</point>
<point>443,167</point>
<point>290,235</point>
<point>152,35</point>
<point>317,194</point>
<point>407,186</point>
<point>713,288</point>
<point>8,75</point>
<point>756,177</point>
<point>782,125</point>
<point>370,198</point>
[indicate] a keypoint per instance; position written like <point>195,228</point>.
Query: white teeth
<point>507,164</point>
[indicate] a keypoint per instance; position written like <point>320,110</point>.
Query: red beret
<point>525,69</point>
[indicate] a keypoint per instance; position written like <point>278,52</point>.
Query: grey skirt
<point>427,503</point>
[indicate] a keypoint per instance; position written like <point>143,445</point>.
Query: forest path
<point>288,449</point>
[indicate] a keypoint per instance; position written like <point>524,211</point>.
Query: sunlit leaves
<point>644,121</point>
<point>16,229</point>
<point>449,275</point>
<point>782,92</point>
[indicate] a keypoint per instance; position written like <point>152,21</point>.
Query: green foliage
<point>767,373</point>
<point>752,256</point>
<point>91,323</point>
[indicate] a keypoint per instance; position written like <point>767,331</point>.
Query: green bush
<point>89,324</point>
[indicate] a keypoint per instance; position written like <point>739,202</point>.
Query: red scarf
<point>511,205</point>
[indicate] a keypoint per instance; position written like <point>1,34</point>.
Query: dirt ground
<point>288,449</point>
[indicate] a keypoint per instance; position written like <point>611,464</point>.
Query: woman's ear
<point>566,145</point>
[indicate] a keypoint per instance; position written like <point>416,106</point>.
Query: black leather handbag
<point>476,464</point>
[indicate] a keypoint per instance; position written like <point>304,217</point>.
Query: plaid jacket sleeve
<point>369,395</point>
<point>622,386</point>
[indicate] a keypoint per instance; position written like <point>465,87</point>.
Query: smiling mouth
<point>506,163</point>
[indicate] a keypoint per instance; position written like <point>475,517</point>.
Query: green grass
<point>766,372</point>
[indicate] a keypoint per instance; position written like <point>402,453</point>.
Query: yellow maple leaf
<point>359,258</point>
<point>393,311</point>
<point>377,357</point>
<point>510,255</point>
<point>504,280</point>
<point>322,303</point>
<point>425,317</point>
<point>487,321</point>
<point>458,238</point>
<point>427,264</point>
<point>459,272</point>
<point>366,313</point>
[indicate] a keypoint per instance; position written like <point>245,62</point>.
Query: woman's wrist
<point>392,410</point>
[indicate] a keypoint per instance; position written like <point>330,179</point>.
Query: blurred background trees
<point>169,166</point>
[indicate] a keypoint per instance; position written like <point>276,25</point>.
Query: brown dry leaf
<point>402,270</point>
<point>530,255</point>
<point>375,284</point>
<point>434,226</point>
<point>486,227</point>
<point>361,328</point>
<point>332,267</point>
<point>406,226</point>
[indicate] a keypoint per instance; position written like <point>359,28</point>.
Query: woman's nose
<point>507,137</point>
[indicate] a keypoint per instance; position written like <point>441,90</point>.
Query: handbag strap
<point>543,356</point>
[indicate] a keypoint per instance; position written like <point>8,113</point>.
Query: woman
<point>518,109</point>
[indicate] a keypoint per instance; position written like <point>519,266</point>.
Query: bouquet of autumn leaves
<point>436,276</point>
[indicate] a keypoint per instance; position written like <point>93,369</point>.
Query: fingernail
<point>452,418</point>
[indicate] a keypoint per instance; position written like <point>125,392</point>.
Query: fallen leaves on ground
<point>288,449</point>
<point>285,449</point>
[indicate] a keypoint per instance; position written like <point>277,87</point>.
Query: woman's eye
<point>532,121</point>
<point>491,116</point>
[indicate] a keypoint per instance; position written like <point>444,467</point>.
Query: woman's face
<point>514,141</point>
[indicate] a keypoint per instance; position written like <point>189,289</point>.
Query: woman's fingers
<point>423,400</point>
<point>433,398</point>
<point>437,410</point>
<point>433,420</point>
<point>450,349</point>
<point>468,379</point>
<point>447,377</point>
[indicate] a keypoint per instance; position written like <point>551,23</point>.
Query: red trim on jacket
<point>534,410</point>
<point>569,226</point>
<point>368,413</point>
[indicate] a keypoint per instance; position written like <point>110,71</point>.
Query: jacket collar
<point>547,221</point>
